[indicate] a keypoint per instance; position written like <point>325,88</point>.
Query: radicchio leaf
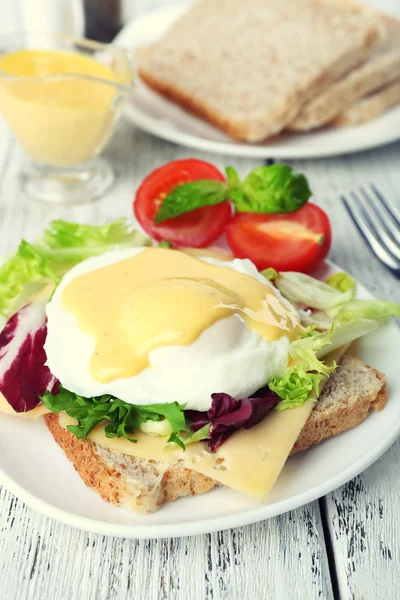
<point>227,414</point>
<point>24,375</point>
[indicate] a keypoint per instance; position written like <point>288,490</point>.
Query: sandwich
<point>379,71</point>
<point>250,68</point>
<point>162,374</point>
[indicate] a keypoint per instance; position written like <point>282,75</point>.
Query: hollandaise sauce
<point>163,297</point>
<point>60,105</point>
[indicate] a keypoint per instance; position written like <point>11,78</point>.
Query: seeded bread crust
<point>144,485</point>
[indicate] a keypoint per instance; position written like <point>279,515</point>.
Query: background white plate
<point>152,113</point>
<point>36,470</point>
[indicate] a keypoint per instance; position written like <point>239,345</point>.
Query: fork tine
<point>392,210</point>
<point>386,214</point>
<point>358,218</point>
<point>379,225</point>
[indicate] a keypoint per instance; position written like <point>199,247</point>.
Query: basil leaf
<point>165,244</point>
<point>189,196</point>
<point>232,177</point>
<point>274,189</point>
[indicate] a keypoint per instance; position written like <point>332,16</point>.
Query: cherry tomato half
<point>297,241</point>
<point>198,228</point>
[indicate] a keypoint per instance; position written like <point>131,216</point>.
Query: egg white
<point>226,357</point>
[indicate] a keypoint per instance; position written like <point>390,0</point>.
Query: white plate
<point>152,113</point>
<point>36,470</point>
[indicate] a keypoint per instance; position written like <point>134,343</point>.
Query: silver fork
<point>378,221</point>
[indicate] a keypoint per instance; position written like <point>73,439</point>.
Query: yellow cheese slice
<point>35,413</point>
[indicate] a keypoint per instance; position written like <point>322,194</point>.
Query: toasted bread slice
<point>346,400</point>
<point>248,68</point>
<point>382,68</point>
<point>143,486</point>
<point>370,107</point>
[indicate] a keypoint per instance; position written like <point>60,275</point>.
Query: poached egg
<point>229,354</point>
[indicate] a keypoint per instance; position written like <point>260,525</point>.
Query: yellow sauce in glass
<point>164,297</point>
<point>60,121</point>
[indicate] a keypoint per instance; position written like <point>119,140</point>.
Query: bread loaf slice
<point>143,486</point>
<point>346,400</point>
<point>382,68</point>
<point>370,107</point>
<point>248,67</point>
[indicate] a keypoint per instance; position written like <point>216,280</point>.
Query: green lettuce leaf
<point>295,387</point>
<point>62,245</point>
<point>66,242</point>
<point>201,434</point>
<point>345,334</point>
<point>375,310</point>
<point>122,419</point>
<point>307,351</point>
<point>307,291</point>
<point>270,274</point>
<point>28,265</point>
<point>341,282</point>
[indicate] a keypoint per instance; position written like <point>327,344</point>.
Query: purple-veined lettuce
<point>227,414</point>
<point>24,375</point>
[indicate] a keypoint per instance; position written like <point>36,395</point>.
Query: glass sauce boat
<point>61,97</point>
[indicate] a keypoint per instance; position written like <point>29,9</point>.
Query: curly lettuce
<point>62,245</point>
<point>295,387</point>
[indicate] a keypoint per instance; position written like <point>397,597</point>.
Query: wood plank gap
<point>330,553</point>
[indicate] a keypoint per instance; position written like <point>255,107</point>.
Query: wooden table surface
<point>346,545</point>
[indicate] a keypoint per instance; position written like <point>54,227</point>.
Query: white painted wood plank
<point>364,524</point>
<point>40,558</point>
<point>363,516</point>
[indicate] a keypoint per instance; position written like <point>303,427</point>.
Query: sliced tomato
<point>198,228</point>
<point>297,241</point>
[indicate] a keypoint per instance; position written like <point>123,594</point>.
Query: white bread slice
<point>382,68</point>
<point>248,67</point>
<point>370,107</point>
<point>143,486</point>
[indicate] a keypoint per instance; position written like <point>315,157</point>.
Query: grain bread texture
<point>382,68</point>
<point>132,483</point>
<point>346,400</point>
<point>370,107</point>
<point>249,68</point>
<point>144,485</point>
